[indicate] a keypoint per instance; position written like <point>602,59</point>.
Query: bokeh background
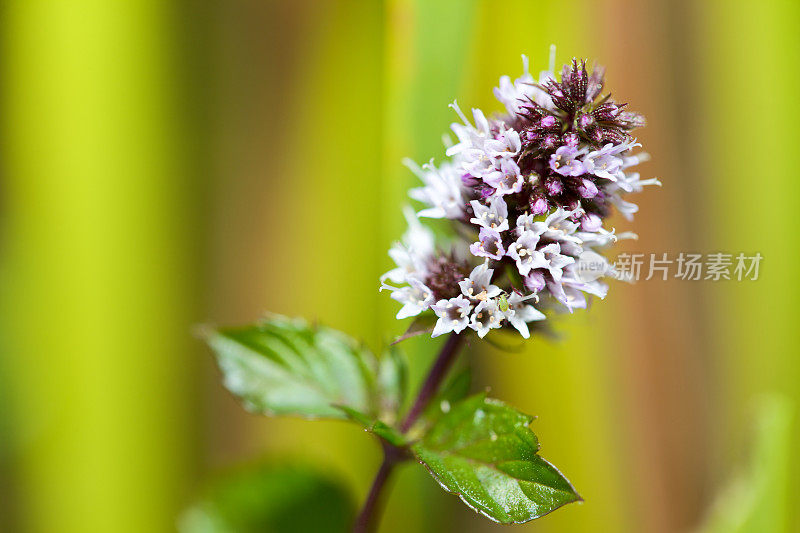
<point>167,163</point>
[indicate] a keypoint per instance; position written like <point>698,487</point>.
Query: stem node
<point>366,520</point>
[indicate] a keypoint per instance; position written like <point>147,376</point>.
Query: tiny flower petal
<point>493,216</point>
<point>454,315</point>
<point>490,245</point>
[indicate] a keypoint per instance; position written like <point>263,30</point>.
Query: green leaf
<point>270,498</point>
<point>483,451</point>
<point>286,367</point>
<point>376,427</point>
<point>392,383</point>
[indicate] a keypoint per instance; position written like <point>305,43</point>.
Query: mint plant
<point>527,193</point>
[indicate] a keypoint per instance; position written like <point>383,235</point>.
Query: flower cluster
<point>528,192</point>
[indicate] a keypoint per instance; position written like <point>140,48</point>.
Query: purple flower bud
<point>587,189</point>
<point>486,192</point>
<point>538,206</point>
<point>613,135</point>
<point>549,142</point>
<point>591,222</point>
<point>585,121</point>
<point>548,121</point>
<point>571,139</point>
<point>532,136</point>
<point>554,187</point>
<point>606,112</point>
<point>469,180</point>
<point>534,281</point>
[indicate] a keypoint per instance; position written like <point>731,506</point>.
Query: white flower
<point>524,252</point>
<point>633,183</point>
<point>625,182</point>
<point>482,148</point>
<point>558,227</point>
<point>412,254</point>
<point>485,317</point>
<point>505,144</point>
<point>603,162</point>
<point>507,179</point>
<point>554,260</point>
<point>470,138</point>
<point>520,313</point>
<point>478,286</point>
<point>570,288</point>
<point>544,211</point>
<point>600,238</point>
<point>490,244</point>
<point>416,298</point>
<point>443,190</point>
<point>512,95</point>
<point>494,216</point>
<point>454,315</point>
<point>627,209</point>
<point>591,222</point>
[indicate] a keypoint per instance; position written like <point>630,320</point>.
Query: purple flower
<point>486,192</point>
<point>490,244</point>
<point>555,165</point>
<point>564,161</point>
<point>549,142</point>
<point>603,162</point>
<point>507,179</point>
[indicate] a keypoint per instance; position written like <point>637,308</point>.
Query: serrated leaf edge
<point>462,497</point>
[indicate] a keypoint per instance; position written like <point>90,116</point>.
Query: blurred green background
<point>166,164</point>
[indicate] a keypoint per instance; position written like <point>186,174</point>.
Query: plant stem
<point>392,454</point>
<point>365,521</point>
<point>434,380</point>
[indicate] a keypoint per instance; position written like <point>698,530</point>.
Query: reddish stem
<point>392,455</point>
